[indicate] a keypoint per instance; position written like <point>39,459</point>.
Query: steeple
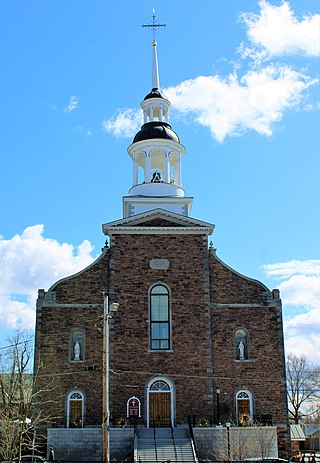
<point>155,70</point>
<point>156,153</point>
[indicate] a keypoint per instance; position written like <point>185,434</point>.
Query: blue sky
<point>242,79</point>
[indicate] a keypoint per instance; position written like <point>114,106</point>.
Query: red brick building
<point>192,338</point>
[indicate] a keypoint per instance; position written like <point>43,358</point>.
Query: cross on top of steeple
<point>154,25</point>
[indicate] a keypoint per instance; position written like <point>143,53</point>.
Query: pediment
<point>157,220</point>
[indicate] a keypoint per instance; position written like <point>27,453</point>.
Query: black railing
<point>155,438</point>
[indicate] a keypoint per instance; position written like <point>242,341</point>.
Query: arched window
<point>241,344</point>
<point>244,408</point>
<point>160,386</point>
<point>159,318</point>
<point>75,409</point>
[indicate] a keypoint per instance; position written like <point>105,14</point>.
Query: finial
<point>154,26</point>
<point>212,249</point>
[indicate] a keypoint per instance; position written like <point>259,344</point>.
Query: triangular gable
<point>157,220</point>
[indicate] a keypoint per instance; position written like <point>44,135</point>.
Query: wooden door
<point>244,412</point>
<point>75,414</point>
<point>160,409</point>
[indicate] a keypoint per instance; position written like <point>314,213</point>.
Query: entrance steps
<point>164,444</point>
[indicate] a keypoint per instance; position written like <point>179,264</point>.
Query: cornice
<point>158,213</point>
<point>157,230</point>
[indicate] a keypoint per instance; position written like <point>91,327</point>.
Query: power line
<point>17,343</point>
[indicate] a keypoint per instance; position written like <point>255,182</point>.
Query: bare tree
<point>241,443</point>
<point>19,419</point>
<point>264,441</point>
<point>303,388</point>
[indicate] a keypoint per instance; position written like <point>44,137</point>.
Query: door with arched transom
<point>160,404</point>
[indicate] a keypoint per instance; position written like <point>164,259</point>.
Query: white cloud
<point>300,292</point>
<point>124,123</point>
<point>256,100</point>
<point>304,344</point>
<point>276,31</point>
<point>29,262</point>
<point>73,104</point>
<point>293,267</point>
<point>230,106</point>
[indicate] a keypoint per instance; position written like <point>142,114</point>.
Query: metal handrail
<point>174,442</point>
<point>135,445</point>
<point>193,442</point>
<point>155,439</point>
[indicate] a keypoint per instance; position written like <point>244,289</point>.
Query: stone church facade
<point>192,340</point>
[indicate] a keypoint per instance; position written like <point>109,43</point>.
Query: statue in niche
<point>241,350</point>
<point>76,350</point>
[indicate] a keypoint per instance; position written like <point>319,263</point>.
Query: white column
<point>166,168</point>
<point>160,113</point>
<point>135,172</point>
<point>145,117</point>
<point>178,174</point>
<point>147,170</point>
<point>151,113</point>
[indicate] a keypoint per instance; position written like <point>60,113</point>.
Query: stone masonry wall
<point>74,302</point>
<point>238,302</point>
<point>208,302</point>
<point>131,279</point>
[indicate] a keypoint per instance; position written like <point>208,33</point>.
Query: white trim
<point>157,231</point>
<point>135,224</point>
<point>157,213</point>
<point>172,396</point>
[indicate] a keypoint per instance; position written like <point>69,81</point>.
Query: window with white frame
<point>159,318</point>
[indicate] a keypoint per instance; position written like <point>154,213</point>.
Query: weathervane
<point>154,25</point>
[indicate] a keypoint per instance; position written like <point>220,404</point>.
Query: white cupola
<point>156,153</point>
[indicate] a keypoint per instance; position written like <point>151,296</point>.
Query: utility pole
<point>107,316</point>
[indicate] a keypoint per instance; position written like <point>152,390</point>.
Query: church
<point>158,332</point>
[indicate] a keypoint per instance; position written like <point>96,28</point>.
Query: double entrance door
<point>160,409</point>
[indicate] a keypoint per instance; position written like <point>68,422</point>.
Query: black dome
<point>155,93</point>
<point>156,129</point>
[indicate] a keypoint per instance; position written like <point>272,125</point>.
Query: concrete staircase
<point>163,444</point>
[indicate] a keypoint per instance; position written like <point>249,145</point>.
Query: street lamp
<point>108,311</point>
<point>218,405</point>
<point>228,424</point>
